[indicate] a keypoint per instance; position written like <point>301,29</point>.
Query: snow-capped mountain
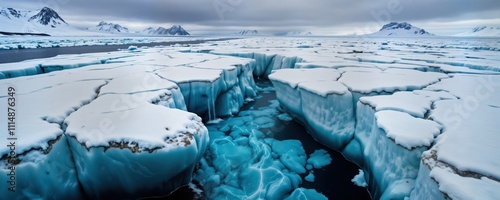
<point>247,32</point>
<point>109,27</point>
<point>47,16</point>
<point>294,33</point>
<point>482,31</point>
<point>174,30</point>
<point>403,29</point>
<point>43,21</point>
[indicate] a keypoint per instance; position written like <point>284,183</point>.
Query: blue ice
<point>242,162</point>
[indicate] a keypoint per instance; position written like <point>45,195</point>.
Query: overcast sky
<point>330,17</point>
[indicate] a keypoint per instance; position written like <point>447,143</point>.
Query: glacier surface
<point>417,115</point>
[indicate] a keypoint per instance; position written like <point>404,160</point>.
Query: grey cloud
<point>265,13</point>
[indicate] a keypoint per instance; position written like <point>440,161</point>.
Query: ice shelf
<point>418,116</point>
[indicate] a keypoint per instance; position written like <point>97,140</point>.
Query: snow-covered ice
<point>407,131</point>
<point>403,83</point>
<point>417,115</point>
<point>86,111</point>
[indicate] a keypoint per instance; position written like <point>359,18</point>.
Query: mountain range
<point>47,22</point>
<point>294,33</point>
<point>44,21</point>
<point>110,28</point>
<point>247,32</point>
<point>482,31</point>
<point>174,30</point>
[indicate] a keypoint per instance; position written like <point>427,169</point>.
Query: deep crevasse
<point>390,157</point>
<point>359,130</point>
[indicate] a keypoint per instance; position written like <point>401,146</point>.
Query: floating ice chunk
<point>306,194</point>
<point>359,179</point>
<point>132,48</point>
<point>264,122</point>
<point>285,117</point>
<point>310,177</point>
<point>291,154</point>
<point>319,159</point>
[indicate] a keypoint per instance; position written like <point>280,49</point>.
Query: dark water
<point>334,180</point>
<point>17,55</point>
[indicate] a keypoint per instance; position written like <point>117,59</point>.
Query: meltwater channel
<point>243,158</point>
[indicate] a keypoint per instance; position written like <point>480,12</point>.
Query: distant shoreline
<point>32,34</point>
<point>18,55</point>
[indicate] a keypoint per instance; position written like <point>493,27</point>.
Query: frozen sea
<point>254,118</point>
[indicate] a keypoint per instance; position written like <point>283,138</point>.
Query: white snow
<point>461,135</point>
<point>457,187</point>
<point>324,88</point>
<point>187,74</point>
<point>389,81</point>
<point>407,131</point>
<point>473,89</point>
<point>147,125</point>
<point>293,77</point>
<point>408,102</point>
